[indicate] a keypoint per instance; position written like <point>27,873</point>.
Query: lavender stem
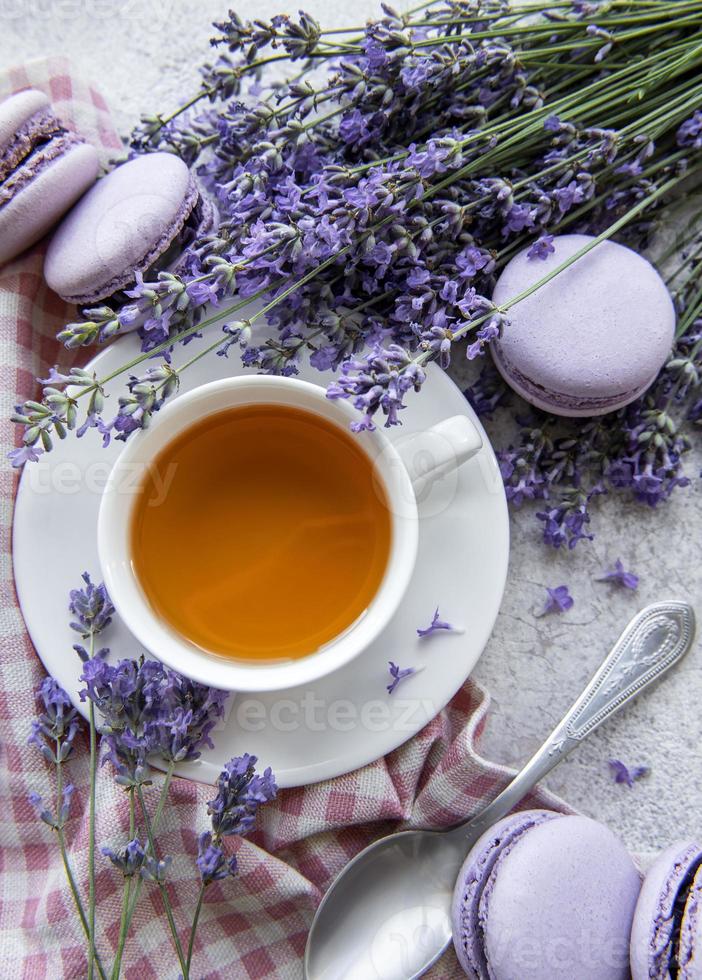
<point>66,864</point>
<point>162,887</point>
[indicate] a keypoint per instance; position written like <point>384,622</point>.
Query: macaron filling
<point>36,131</point>
<point>667,923</point>
<point>683,900</point>
<point>41,154</point>
<point>691,931</point>
<point>198,223</point>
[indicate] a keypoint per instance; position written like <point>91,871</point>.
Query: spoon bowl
<point>405,924</point>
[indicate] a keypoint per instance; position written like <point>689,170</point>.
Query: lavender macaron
<point>137,219</point>
<point>592,339</point>
<point>545,897</point>
<point>44,169</point>
<point>666,939</point>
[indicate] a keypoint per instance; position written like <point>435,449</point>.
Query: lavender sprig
<point>144,709</point>
<point>92,610</point>
<point>240,792</point>
<point>53,734</point>
<point>147,710</point>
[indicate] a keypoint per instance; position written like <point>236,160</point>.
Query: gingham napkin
<point>254,926</point>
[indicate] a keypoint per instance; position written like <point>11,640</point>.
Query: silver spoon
<point>387,916</point>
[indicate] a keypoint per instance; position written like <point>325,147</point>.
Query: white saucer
<point>347,719</point>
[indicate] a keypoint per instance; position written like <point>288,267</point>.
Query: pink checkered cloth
<point>256,925</point>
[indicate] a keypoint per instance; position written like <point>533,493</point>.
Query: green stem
<point>162,887</point>
<point>155,824</point>
<point>196,919</point>
<point>91,831</point>
<point>126,893</point>
<point>64,858</point>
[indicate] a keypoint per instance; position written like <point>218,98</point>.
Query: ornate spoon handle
<point>655,639</point>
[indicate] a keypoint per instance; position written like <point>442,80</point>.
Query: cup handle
<point>436,451</point>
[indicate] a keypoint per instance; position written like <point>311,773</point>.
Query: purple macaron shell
<point>593,338</point>
<point>653,932</point>
<point>47,193</point>
<point>15,112</point>
<point>126,221</point>
<point>558,905</point>
<point>467,931</point>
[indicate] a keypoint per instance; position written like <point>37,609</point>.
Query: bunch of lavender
<point>142,711</point>
<point>368,200</point>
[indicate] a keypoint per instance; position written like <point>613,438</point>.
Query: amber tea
<point>261,533</point>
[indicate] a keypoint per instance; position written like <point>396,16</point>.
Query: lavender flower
<point>146,709</point>
<point>240,792</point>
<point>154,869</point>
<point>487,393</point>
<point>92,611</point>
<point>43,812</point>
<point>626,774</point>
<point>542,248</point>
<point>129,859</point>
<point>620,576</point>
<point>54,731</point>
<point>558,600</point>
<point>24,454</point>
<point>690,132</point>
<point>398,675</point>
<point>436,625</point>
<point>211,860</point>
<point>188,711</point>
<point>565,523</point>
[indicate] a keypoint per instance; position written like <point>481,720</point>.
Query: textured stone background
<point>144,55</point>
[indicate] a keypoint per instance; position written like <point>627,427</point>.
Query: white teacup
<point>402,472</point>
